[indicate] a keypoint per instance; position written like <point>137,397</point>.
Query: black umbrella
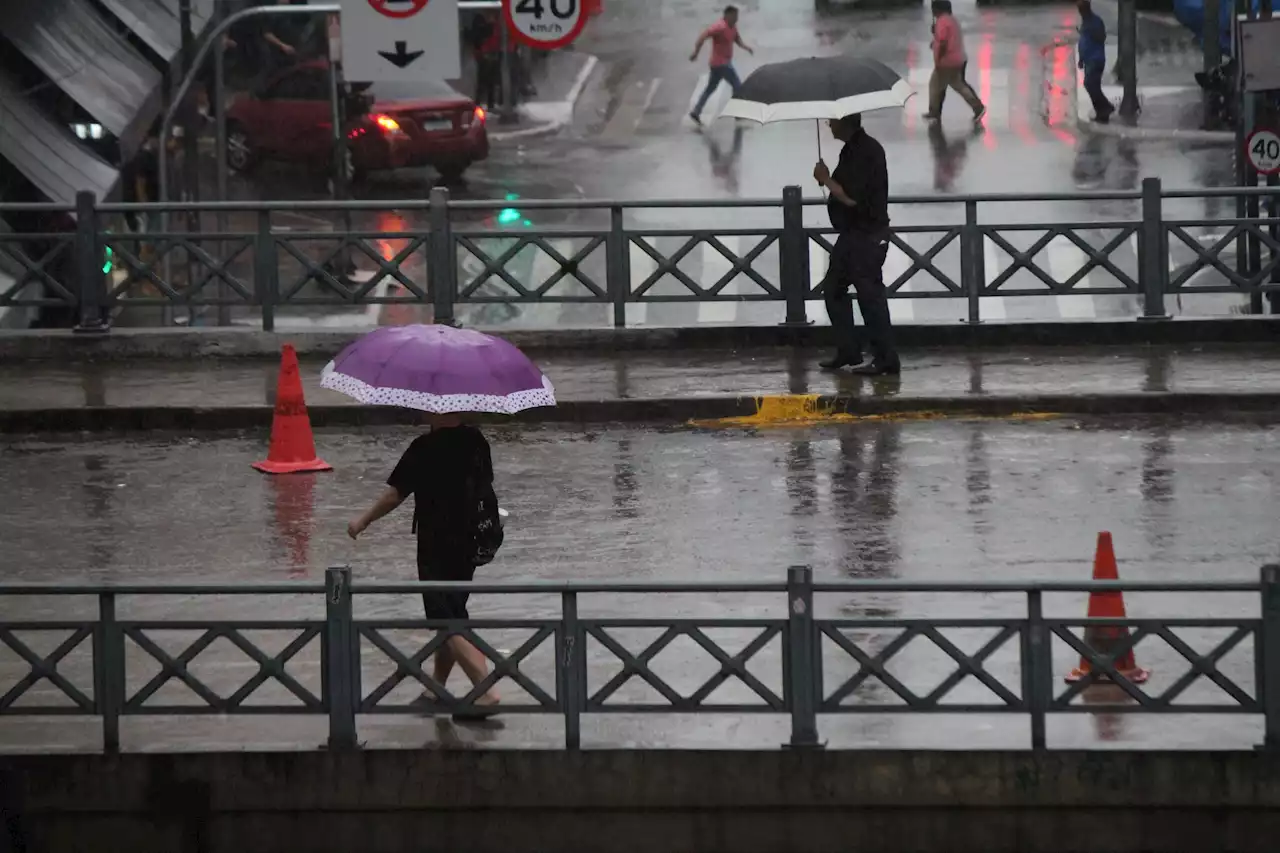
<point>818,88</point>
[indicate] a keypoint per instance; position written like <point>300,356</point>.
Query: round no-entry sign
<point>398,8</point>
<point>1263,151</point>
<point>545,24</point>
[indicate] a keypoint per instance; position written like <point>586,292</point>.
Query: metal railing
<point>436,256</point>
<point>793,654</point>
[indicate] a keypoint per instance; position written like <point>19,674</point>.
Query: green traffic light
<point>508,215</point>
<point>108,261</point>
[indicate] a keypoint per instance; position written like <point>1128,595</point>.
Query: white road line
<point>635,103</point>
<point>992,307</point>
<point>896,263</point>
<point>1065,260</point>
<point>642,266</point>
<point>714,267</point>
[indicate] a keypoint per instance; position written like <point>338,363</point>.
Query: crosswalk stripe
<point>992,307</point>
<point>642,266</point>
<point>714,267</point>
<point>1065,260</point>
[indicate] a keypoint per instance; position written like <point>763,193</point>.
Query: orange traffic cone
<point>1107,605</point>
<point>293,448</point>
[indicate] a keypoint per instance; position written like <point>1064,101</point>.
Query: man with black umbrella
<point>859,208</point>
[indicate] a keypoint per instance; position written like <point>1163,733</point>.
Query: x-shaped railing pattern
<point>496,267</point>
<point>410,667</point>
<point>321,274</point>
<point>1211,257</point>
<point>45,668</point>
<point>178,668</point>
<point>921,262</point>
<point>670,266</point>
<point>638,666</point>
<point>215,269</point>
<point>1102,665</point>
<point>875,666</point>
<point>1097,258</point>
<point>35,272</point>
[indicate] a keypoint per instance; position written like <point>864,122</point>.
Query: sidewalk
<point>560,79</point>
<point>680,386</point>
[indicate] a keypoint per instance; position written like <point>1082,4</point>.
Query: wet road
<point>676,374</point>
<point>944,501</point>
<point>632,140</point>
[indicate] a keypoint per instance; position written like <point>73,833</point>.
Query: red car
<point>290,118</point>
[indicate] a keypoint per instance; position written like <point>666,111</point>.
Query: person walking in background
<point>1093,59</point>
<point>949,64</point>
<point>449,471</point>
<point>723,35</point>
<point>486,47</point>
<point>859,208</point>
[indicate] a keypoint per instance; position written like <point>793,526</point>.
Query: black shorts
<point>445,605</point>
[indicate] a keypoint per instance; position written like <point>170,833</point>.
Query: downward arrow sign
<point>402,58</point>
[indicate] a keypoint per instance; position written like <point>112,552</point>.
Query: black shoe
<point>878,369</point>
<point>841,360</point>
<point>697,119</point>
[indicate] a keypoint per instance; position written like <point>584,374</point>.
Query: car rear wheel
<point>241,157</point>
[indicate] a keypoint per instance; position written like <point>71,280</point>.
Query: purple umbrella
<point>438,369</point>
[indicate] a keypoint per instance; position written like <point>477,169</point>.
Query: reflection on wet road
<point>951,501</point>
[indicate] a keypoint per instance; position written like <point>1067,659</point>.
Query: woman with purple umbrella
<point>446,373</point>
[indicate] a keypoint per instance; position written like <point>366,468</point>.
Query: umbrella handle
<point>817,127</point>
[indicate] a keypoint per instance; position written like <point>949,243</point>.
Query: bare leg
<point>444,662</point>
<point>473,663</point>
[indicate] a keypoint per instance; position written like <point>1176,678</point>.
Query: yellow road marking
<point>810,409</point>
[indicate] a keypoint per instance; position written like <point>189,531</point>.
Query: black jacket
<point>864,176</point>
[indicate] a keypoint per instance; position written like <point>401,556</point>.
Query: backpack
<point>484,521</point>
<point>482,534</point>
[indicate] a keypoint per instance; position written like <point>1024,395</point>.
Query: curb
<point>748,411</point>
<point>575,92</point>
<point>204,343</point>
<point>1128,132</point>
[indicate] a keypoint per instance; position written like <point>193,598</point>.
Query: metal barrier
<point>944,247</point>
<point>802,648</point>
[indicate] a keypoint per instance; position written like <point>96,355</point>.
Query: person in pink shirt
<point>723,35</point>
<point>949,61</point>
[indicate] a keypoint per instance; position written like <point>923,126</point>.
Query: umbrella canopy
<point>818,88</point>
<point>438,369</point>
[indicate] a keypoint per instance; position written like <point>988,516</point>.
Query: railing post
<point>618,265</point>
<point>803,659</point>
<point>443,271</point>
<point>573,670</point>
<point>1268,655</point>
<point>89,285</point>
<point>108,672</point>
<point>266,272</point>
<point>972,262</point>
<point>1036,667</point>
<point>341,650</point>
<point>1154,259</point>
<point>793,257</point>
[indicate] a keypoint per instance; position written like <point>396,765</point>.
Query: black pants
<point>1093,85</point>
<point>488,80</point>
<point>858,261</point>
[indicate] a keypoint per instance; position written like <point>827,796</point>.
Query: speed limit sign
<point>1263,150</point>
<point>545,24</point>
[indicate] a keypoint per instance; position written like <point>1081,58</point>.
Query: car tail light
<point>387,124</point>
<point>480,114</point>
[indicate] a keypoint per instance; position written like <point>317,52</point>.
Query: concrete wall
<point>669,801</point>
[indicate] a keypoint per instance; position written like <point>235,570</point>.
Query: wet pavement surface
<point>953,501</point>
<point>661,375</point>
<point>631,139</point>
